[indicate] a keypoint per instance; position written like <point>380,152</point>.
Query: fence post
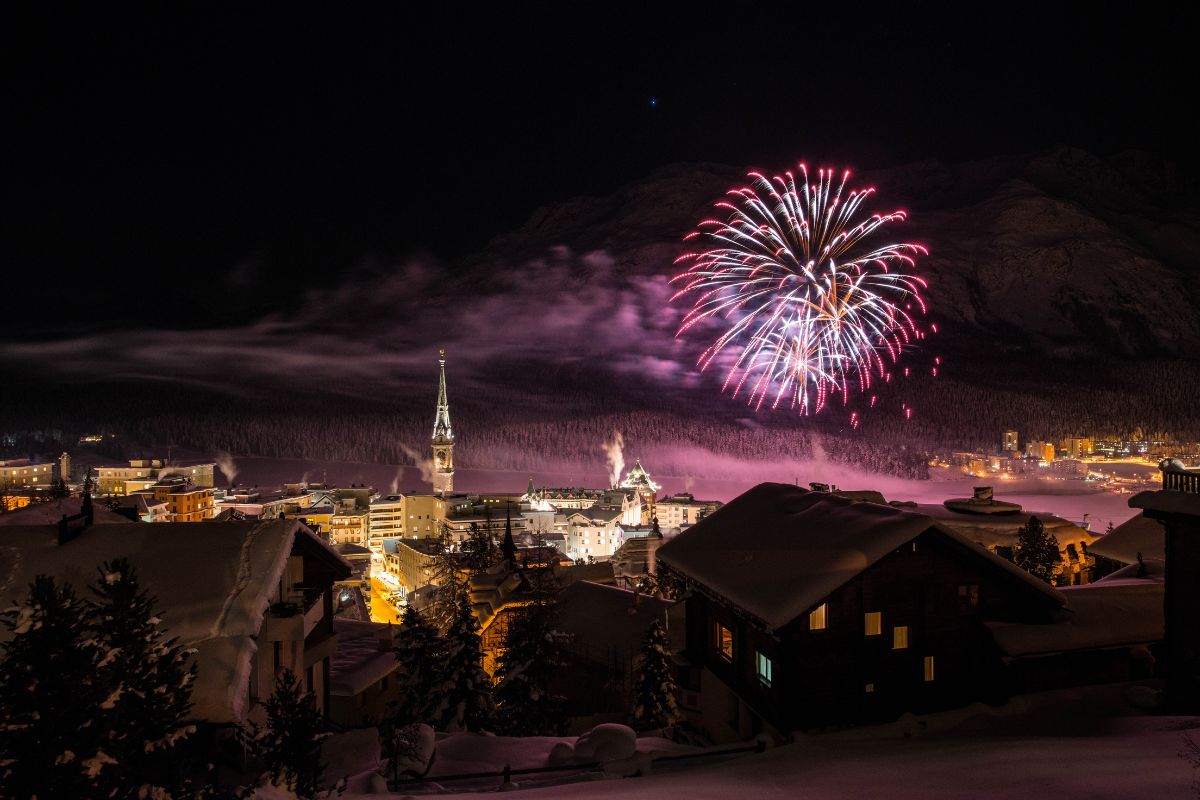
<point>507,777</point>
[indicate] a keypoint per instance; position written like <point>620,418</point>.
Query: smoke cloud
<point>425,465</point>
<point>614,452</point>
<point>227,466</point>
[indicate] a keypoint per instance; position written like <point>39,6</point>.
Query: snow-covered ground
<point>1069,744</point>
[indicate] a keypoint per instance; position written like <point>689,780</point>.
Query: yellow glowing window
<point>870,688</point>
<point>817,617</point>
<point>724,639</point>
<point>900,637</point>
<point>929,673</point>
<point>873,623</point>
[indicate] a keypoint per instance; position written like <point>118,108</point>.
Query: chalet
<point>605,626</point>
<point>805,609</point>
<point>251,598</point>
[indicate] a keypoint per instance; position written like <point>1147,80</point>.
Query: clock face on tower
<point>441,458</point>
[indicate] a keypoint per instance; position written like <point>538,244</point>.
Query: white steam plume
<point>423,464</point>
<point>616,458</point>
<point>225,464</point>
<point>394,488</point>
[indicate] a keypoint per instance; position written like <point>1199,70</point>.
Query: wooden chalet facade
<point>806,610</point>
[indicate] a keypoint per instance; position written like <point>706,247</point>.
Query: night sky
<point>195,170</point>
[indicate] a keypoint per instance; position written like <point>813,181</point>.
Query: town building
<point>411,561</point>
<point>638,480</point>
<point>250,598</point>
<point>681,510</point>
<point>21,473</point>
<point>806,609</point>
<point>361,676</point>
<point>1010,442</point>
<point>443,437</point>
<point>186,501</point>
<point>605,626</point>
<point>1077,447</point>
<point>594,534</point>
<point>142,473</point>
<point>385,519</point>
<point>424,514</point>
<point>1041,451</point>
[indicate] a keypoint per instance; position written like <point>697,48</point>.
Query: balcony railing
<point>1181,481</point>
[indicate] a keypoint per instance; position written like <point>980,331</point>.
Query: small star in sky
<point>654,102</point>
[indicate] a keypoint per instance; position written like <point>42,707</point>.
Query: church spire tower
<point>443,436</point>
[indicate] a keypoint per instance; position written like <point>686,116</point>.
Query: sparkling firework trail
<point>812,309</point>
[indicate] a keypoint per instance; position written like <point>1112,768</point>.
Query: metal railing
<point>506,774</point>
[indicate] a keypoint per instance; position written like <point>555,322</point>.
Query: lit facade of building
<point>186,502</point>
<point>21,474</point>
<point>1010,441</point>
<point>683,509</point>
<point>112,479</point>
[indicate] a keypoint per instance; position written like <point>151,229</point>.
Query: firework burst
<point>810,306</point>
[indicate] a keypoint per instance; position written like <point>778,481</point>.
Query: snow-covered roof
<point>213,581</point>
<point>1000,530</point>
<point>1119,611</point>
<point>363,656</point>
<point>50,512</point>
<point>777,550</point>
<point>1137,535</point>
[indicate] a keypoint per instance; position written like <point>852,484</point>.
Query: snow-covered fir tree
<point>289,745</point>
<point>420,653</point>
<point>446,575</point>
<point>465,688</point>
<point>51,731</point>
<point>654,704</point>
<point>533,654</point>
<point>149,681</point>
<point>1037,550</point>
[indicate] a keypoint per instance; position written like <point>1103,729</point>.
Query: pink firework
<point>811,306</point>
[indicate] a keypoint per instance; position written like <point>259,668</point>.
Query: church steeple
<point>443,436</point>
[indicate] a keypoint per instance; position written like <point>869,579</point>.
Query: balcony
<point>1177,478</point>
<point>294,618</point>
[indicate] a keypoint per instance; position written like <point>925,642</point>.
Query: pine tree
<point>50,697</point>
<point>465,688</point>
<point>479,550</point>
<point>420,653</point>
<point>1037,551</point>
<point>654,704</point>
<point>446,577</point>
<point>533,655</point>
<point>145,717</point>
<point>289,746</point>
<point>59,490</point>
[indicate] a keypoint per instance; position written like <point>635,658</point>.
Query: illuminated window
<point>929,673</point>
<point>968,597</point>
<point>817,618</point>
<point>764,669</point>
<point>873,623</point>
<point>870,688</point>
<point>724,640</point>
<point>900,637</point>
